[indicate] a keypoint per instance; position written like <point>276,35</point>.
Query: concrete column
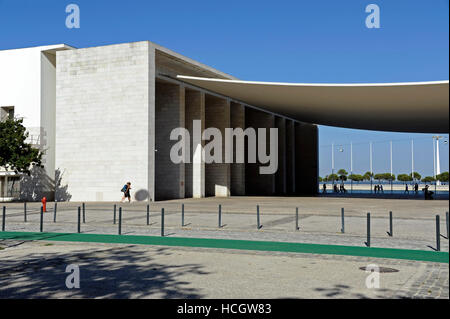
<point>170,114</point>
<point>306,159</point>
<point>217,175</point>
<point>290,157</point>
<point>256,183</point>
<point>195,170</point>
<point>281,181</point>
<point>237,169</point>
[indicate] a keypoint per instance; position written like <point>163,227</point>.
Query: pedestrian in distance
<point>126,192</point>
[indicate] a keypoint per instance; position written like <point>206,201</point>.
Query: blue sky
<point>284,41</point>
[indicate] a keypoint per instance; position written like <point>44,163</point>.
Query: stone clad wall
<point>102,115</point>
<point>217,175</point>
<point>170,114</point>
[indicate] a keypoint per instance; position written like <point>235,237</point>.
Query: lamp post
<point>412,160</point>
<point>390,145</point>
<point>437,169</point>
<point>351,167</point>
<point>332,161</point>
<point>371,168</point>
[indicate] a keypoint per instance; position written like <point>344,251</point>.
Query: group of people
<point>378,189</point>
<point>416,188</point>
<point>336,189</point>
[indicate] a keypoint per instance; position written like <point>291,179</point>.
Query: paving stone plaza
<point>302,275</point>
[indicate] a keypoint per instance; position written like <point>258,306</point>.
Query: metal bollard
<point>220,216</point>
<point>182,215</point>
<point>41,224</point>
<point>54,212</point>
<point>3,218</point>
<point>79,220</point>
<point>391,231</point>
<point>25,212</point>
<point>438,234</point>
<point>296,219</point>
<point>342,221</point>
<point>114,219</point>
<point>120,220</point>
<point>368,230</point>
<point>84,214</point>
<point>258,224</point>
<point>162,222</point>
<point>148,215</point>
<point>446,220</point>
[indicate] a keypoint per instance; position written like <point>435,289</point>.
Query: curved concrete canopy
<point>420,107</point>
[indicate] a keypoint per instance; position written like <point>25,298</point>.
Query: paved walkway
<point>37,270</point>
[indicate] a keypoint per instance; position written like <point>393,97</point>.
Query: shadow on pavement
<point>113,273</point>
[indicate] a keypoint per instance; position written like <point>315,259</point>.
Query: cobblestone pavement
<point>37,270</point>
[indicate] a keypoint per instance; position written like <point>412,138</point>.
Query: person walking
<point>406,189</point>
<point>126,192</point>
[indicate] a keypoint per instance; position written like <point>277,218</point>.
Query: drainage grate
<point>381,269</point>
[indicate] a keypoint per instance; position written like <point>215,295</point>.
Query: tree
<point>428,179</point>
<point>332,177</point>
<point>320,179</point>
<point>15,153</point>
<point>404,178</point>
<point>342,174</point>
<point>378,177</point>
<point>416,176</point>
<point>367,176</point>
<point>356,177</point>
<point>443,177</point>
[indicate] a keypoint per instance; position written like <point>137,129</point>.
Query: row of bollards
<point>82,215</point>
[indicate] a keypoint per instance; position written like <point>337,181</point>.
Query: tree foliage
<point>416,176</point>
<point>332,178</point>
<point>404,178</point>
<point>367,176</point>
<point>428,179</point>
<point>356,177</point>
<point>15,153</point>
<point>384,176</point>
<point>443,177</point>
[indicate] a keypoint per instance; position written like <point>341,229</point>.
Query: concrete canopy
<point>419,107</point>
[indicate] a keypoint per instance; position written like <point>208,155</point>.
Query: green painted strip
<point>420,255</point>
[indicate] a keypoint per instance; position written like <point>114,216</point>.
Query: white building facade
<point>103,116</point>
<point>28,91</point>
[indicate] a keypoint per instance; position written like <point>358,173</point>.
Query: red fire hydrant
<point>44,204</point>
